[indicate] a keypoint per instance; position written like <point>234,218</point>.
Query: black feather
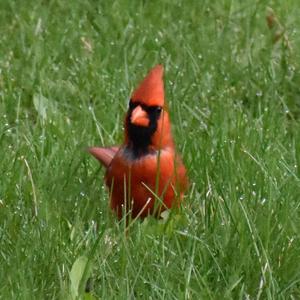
<point>140,136</point>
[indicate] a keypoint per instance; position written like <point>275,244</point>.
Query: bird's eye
<point>158,109</point>
<point>132,105</point>
<point>154,109</point>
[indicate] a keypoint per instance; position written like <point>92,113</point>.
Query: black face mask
<point>140,136</point>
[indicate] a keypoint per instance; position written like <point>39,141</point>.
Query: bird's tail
<point>104,154</point>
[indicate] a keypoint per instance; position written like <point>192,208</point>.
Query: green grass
<point>67,69</point>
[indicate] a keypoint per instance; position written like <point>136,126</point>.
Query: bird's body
<point>144,175</point>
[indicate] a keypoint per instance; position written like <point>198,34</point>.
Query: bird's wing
<point>104,154</point>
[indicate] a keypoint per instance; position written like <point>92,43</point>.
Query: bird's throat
<point>139,140</point>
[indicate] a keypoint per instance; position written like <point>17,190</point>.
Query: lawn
<point>232,80</point>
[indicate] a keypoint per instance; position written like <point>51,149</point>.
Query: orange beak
<point>139,117</point>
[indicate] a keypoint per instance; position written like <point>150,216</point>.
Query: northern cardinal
<point>144,175</point>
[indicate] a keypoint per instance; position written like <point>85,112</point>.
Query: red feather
<point>104,154</point>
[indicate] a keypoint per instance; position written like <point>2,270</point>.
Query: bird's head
<point>147,125</point>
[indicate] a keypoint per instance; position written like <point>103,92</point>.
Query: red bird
<point>144,175</point>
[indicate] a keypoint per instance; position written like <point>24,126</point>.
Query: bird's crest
<point>151,90</point>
